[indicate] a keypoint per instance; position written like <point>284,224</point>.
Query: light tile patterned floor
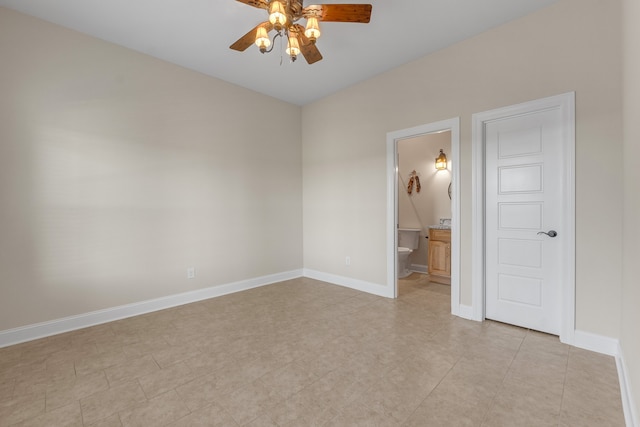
<point>306,353</point>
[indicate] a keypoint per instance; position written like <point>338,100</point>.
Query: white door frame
<point>566,104</point>
<point>452,125</point>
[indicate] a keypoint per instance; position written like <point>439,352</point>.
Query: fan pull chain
<point>281,50</point>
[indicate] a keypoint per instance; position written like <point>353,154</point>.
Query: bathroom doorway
<point>424,198</point>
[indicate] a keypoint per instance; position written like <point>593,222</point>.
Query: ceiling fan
<point>283,15</point>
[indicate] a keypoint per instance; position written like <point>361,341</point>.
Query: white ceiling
<point>196,34</point>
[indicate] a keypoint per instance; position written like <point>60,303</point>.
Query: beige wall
<point>553,51</point>
<point>119,171</point>
<point>630,340</point>
<point>420,210</point>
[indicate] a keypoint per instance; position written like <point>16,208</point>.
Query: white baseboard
<point>53,327</point>
<point>611,347</point>
<point>594,342</point>
<point>348,282</point>
<point>464,311</point>
<point>628,404</point>
<point>419,268</point>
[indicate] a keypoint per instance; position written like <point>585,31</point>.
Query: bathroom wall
<point>420,210</point>
<point>549,52</point>
<point>118,171</point>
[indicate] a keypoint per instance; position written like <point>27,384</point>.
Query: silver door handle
<point>550,233</point>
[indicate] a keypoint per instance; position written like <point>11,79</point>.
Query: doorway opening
<point>418,209</point>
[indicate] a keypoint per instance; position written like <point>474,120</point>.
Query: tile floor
<point>306,353</point>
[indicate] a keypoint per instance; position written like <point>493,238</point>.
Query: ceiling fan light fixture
<point>293,47</point>
<point>313,29</point>
<point>277,14</point>
<point>262,39</point>
<point>283,17</point>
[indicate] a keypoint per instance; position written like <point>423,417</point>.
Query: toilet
<point>408,241</point>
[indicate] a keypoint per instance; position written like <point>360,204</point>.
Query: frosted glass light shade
<point>262,39</point>
<point>293,47</point>
<point>313,29</point>
<point>277,14</point>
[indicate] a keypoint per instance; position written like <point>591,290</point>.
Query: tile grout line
<point>564,382</point>
<point>493,399</point>
<point>432,390</point>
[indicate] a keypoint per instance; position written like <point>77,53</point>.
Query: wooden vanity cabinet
<point>440,255</point>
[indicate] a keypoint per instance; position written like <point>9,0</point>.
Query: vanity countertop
<point>440,227</point>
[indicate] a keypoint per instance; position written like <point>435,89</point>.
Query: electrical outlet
<point>347,261</point>
<point>191,273</point>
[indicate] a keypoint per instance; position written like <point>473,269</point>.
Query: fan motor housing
<point>295,9</point>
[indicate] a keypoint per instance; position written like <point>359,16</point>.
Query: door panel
<point>520,216</point>
<point>520,290</point>
<point>520,253</point>
<point>520,179</point>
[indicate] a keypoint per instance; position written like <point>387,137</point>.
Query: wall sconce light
<point>441,161</point>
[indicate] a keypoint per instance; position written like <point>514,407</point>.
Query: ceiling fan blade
<point>309,50</point>
<point>248,39</point>
<point>339,12</point>
<point>260,4</point>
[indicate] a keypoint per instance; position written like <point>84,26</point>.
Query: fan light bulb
<point>313,29</point>
<point>262,39</point>
<point>277,15</point>
<point>293,47</point>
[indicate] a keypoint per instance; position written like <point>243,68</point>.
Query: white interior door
<point>524,193</point>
